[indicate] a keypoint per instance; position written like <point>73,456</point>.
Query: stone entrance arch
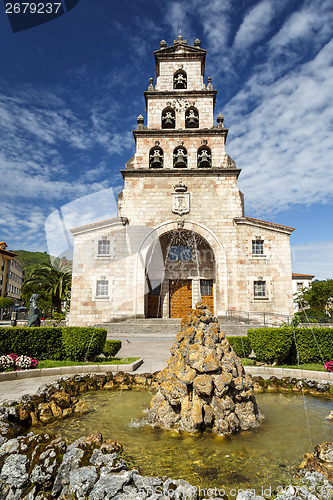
<point>181,261</point>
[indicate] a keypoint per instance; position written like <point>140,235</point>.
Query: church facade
<point>181,234</point>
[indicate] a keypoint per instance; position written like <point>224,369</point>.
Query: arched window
<point>180,157</point>
<point>204,157</point>
<point>180,80</point>
<point>156,157</point>
<point>192,118</point>
<point>168,118</point>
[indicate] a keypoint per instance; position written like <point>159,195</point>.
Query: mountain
<point>31,260</point>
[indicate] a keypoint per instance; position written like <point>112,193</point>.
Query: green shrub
<point>80,343</point>
<point>39,343</point>
<point>241,346</point>
<point>111,347</point>
<point>314,343</point>
<point>271,344</point>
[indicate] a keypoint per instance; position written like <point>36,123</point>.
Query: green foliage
<point>39,343</point>
<point>271,344</point>
<point>111,347</point>
<point>317,295</point>
<point>241,346</point>
<point>44,300</point>
<point>55,279</point>
<point>71,343</point>
<point>31,260</point>
<point>83,343</point>
<point>312,316</point>
<point>6,302</point>
<point>314,343</point>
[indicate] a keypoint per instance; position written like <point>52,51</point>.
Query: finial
<point>163,44</point>
<point>220,119</point>
<point>209,85</point>
<point>197,43</point>
<point>140,121</point>
<point>180,36</point>
<point>151,86</point>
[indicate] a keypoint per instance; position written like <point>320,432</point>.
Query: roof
<point>260,222</point>
<point>305,276</point>
<point>97,225</point>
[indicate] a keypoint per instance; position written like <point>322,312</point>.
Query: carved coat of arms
<point>180,199</point>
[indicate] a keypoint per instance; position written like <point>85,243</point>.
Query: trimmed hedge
<point>72,343</point>
<point>82,343</point>
<point>271,344</point>
<point>39,343</point>
<point>241,345</point>
<point>111,347</point>
<point>310,339</point>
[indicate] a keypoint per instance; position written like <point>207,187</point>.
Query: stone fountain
<point>204,385</point>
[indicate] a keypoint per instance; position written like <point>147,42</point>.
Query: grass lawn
<point>318,367</point>
<point>50,363</point>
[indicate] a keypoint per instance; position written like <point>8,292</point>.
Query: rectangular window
<point>260,288</point>
<point>180,252</point>
<point>206,288</point>
<point>104,247</point>
<point>102,288</point>
<point>257,247</point>
<point>299,286</point>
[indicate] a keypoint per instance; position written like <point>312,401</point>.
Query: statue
<point>34,312</point>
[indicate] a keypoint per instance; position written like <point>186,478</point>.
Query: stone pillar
<point>165,298</point>
<point>196,296</point>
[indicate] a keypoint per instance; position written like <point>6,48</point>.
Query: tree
<point>317,296</point>
<point>5,303</point>
<point>55,279</point>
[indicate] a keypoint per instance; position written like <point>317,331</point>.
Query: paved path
<point>155,353</point>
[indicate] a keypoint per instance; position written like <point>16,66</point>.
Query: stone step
<point>163,328</point>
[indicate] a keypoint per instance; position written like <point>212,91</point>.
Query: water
<point>262,458</point>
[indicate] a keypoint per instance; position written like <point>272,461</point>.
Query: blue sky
<point>71,89</point>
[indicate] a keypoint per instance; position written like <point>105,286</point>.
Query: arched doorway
<point>180,271</point>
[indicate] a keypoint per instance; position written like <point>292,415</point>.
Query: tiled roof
<point>307,276</point>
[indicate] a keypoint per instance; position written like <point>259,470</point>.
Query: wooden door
<point>206,290</point>
<point>180,298</point>
<point>154,301</point>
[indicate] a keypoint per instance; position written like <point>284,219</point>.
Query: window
<point>180,80</point>
<point>102,288</point>
<point>206,288</point>
<point>299,286</point>
<point>180,157</point>
<point>204,157</point>
<point>168,118</point>
<point>180,252</point>
<point>260,288</point>
<point>156,157</point>
<point>257,247</point>
<point>104,247</point>
<point>192,118</point>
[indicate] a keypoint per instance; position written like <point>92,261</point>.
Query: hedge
<point>111,347</point>
<point>241,346</point>
<point>72,343</point>
<point>83,343</point>
<point>271,344</point>
<point>313,344</point>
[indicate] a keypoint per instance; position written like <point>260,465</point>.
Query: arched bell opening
<point>192,118</point>
<point>180,157</point>
<point>156,157</point>
<point>180,271</point>
<point>168,118</point>
<point>204,157</point>
<point>180,79</point>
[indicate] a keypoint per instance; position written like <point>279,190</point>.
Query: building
<point>181,234</point>
<point>300,283</point>
<point>11,273</point>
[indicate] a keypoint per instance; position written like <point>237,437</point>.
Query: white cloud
<point>254,26</point>
<point>313,258</point>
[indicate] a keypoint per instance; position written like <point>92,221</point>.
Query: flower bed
<point>13,362</point>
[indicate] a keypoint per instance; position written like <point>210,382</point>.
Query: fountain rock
<point>204,384</point>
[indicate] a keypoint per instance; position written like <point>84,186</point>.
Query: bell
<point>180,81</point>
<point>204,160</point>
<point>180,160</point>
<point>168,121</point>
<point>156,160</point>
<point>192,120</point>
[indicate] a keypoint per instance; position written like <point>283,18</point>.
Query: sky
<point>72,88</point>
